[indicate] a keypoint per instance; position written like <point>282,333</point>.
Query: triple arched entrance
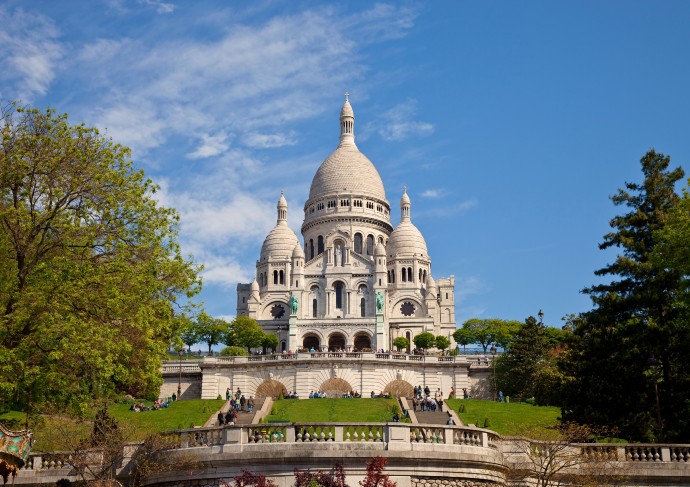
<point>336,342</point>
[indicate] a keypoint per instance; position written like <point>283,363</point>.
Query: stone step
<point>429,417</point>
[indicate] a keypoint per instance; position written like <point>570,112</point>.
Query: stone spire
<point>347,123</point>
<point>282,210</point>
<point>404,206</point>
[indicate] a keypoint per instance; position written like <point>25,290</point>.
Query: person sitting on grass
<point>396,418</point>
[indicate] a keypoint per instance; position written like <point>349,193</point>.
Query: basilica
<point>356,283</point>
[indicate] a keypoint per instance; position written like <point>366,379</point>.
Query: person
<point>311,350</point>
<point>228,417</point>
<point>452,393</point>
<point>422,405</point>
<point>174,397</point>
<point>450,421</point>
<point>415,403</point>
<point>427,391</point>
<point>396,418</point>
<point>238,393</point>
<point>465,394</point>
<point>221,418</point>
<point>250,404</point>
<point>243,402</point>
<point>500,396</point>
<point>227,394</point>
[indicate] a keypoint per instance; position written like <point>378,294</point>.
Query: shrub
<point>280,396</point>
<point>461,409</point>
<point>487,423</point>
<point>233,351</point>
<point>219,397</point>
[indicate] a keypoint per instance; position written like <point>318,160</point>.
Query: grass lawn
<point>50,432</point>
<point>516,418</point>
<point>333,410</point>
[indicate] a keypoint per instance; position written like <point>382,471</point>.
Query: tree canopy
<point>90,269</point>
<point>209,330</point>
<point>244,332</point>
<point>636,316</point>
<point>424,340</point>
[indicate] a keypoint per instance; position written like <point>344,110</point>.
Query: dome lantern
<point>347,123</point>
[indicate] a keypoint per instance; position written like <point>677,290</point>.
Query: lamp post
<point>493,361</point>
<point>653,366</point>
<point>541,317</point>
<point>179,380</point>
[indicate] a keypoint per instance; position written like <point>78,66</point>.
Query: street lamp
<point>493,361</point>
<point>653,366</point>
<point>541,317</point>
<point>179,380</point>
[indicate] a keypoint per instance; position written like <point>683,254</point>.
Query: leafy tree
<point>518,366</point>
<point>462,336</point>
<point>400,343</point>
<point>233,351</point>
<point>308,478</point>
<point>442,342</point>
<point>210,330</point>
<point>244,332</point>
<point>270,341</point>
<point>90,270</point>
<point>424,340</point>
<point>489,330</point>
<point>635,316</point>
<point>185,328</point>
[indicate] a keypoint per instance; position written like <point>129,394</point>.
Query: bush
<point>395,409</point>
<point>280,396</point>
<point>487,423</point>
<point>461,409</point>
<point>233,351</point>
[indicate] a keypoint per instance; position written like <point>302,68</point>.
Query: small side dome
<point>431,284</point>
<point>281,241</point>
<point>379,250</point>
<point>255,285</point>
<point>298,253</point>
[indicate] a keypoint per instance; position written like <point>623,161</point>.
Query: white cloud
<point>434,193</point>
<point>269,141</point>
<point>398,123</point>
<point>161,7</point>
<point>29,51</point>
<point>449,210</point>
<point>211,145</point>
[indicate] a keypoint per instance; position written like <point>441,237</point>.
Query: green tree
<point>424,340</point>
<point>400,343</point>
<point>244,332</point>
<point>210,330</point>
<point>442,342</point>
<point>634,317</point>
<point>90,270</point>
<point>462,336</point>
<point>518,366</point>
<point>185,328</point>
<point>270,341</point>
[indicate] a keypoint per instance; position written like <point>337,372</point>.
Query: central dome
<point>347,170</point>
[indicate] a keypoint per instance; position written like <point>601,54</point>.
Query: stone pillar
<point>292,334</point>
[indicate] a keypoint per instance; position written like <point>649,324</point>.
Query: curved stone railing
<point>382,434</point>
<point>172,366</point>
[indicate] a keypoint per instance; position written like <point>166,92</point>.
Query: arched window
<point>320,245</point>
<point>358,243</point>
<point>370,245</point>
<point>314,307</point>
<point>404,274</point>
<point>388,276</point>
<point>420,275</point>
<point>282,277</point>
<point>393,276</point>
<point>409,274</point>
<point>380,239</point>
<point>311,248</point>
<point>275,277</point>
<point>363,307</point>
<point>424,275</point>
<point>338,295</point>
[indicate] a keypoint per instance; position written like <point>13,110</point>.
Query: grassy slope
<point>53,433</point>
<point>509,418</point>
<point>333,410</point>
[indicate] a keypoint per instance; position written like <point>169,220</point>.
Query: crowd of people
<point>423,399</point>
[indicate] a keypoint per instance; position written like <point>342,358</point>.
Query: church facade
<point>356,283</point>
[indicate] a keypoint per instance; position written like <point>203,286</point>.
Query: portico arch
<point>311,341</point>
<point>362,341</point>
<point>336,341</point>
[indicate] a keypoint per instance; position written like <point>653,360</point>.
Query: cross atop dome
<point>346,96</point>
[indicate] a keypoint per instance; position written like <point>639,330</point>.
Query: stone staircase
<point>243,417</point>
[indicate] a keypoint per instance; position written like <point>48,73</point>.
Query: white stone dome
<point>281,241</point>
<point>379,249</point>
<point>406,240</point>
<point>347,170</point>
<point>297,252</point>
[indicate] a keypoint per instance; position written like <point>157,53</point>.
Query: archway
<point>270,388</point>
<point>362,342</point>
<point>336,341</point>
<point>335,388</point>
<point>311,341</point>
<point>399,388</point>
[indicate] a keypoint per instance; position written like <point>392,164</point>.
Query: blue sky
<point>511,123</point>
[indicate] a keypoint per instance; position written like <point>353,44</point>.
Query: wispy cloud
<point>269,141</point>
<point>29,52</point>
<point>433,193</point>
<point>161,7</point>
<point>449,210</point>
<point>398,123</point>
<point>211,145</point>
